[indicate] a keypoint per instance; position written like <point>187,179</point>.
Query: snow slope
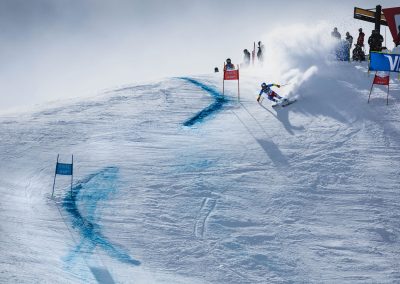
<point>243,194</point>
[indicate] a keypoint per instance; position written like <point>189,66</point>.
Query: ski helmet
<point>263,85</point>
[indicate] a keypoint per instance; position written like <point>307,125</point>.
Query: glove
<point>258,99</point>
<point>278,86</point>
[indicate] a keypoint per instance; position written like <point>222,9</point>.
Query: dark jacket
<point>246,57</point>
<point>375,42</point>
<point>260,52</point>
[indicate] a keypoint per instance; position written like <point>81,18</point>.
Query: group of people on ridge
<point>375,42</point>
<point>247,58</point>
<point>247,55</point>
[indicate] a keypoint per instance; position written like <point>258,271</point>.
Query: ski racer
<point>266,89</point>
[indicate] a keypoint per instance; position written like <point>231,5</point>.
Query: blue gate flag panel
<point>64,169</point>
<point>384,62</point>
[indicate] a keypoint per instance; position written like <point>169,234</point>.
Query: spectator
<point>246,58</point>
<point>253,54</point>
<point>229,65</point>
<point>348,43</point>
<point>335,34</point>
<point>358,53</point>
<point>349,39</point>
<point>260,52</point>
<point>360,39</point>
<point>375,41</point>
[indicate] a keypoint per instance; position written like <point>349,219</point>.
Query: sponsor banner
<point>384,62</point>
<point>392,16</point>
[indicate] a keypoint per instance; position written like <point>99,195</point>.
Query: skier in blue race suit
<point>266,89</point>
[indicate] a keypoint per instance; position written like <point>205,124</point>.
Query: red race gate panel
<point>381,80</point>
<point>231,75</point>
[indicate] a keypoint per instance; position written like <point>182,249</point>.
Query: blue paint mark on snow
<point>220,100</point>
<point>96,187</point>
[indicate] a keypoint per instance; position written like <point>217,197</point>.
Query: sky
<point>52,50</point>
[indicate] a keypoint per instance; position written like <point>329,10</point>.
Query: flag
<point>231,74</point>
<point>64,169</point>
<point>381,80</point>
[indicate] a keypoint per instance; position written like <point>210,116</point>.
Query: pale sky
<point>57,49</point>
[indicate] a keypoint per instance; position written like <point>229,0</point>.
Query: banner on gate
<point>384,62</point>
<point>64,169</point>
<point>381,80</point>
<point>231,74</point>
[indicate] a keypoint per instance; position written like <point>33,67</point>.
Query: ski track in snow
<point>206,208</point>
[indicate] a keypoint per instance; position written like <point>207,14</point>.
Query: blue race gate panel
<point>64,169</point>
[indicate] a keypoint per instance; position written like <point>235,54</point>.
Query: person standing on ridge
<point>335,34</point>
<point>360,39</point>
<point>246,58</point>
<point>229,65</point>
<point>349,39</point>
<point>375,41</point>
<point>253,53</point>
<point>358,53</point>
<point>260,52</point>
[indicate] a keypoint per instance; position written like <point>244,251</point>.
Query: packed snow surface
<point>241,194</point>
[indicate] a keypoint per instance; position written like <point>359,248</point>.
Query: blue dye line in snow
<point>220,100</point>
<point>88,193</point>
